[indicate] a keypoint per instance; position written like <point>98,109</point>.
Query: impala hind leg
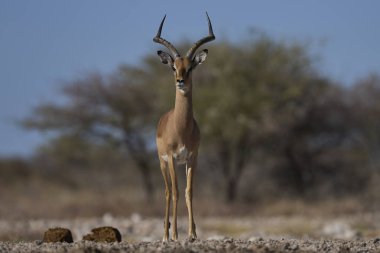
<point>173,176</point>
<point>165,174</point>
<point>192,235</point>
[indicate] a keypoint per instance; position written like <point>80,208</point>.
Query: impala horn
<point>202,41</point>
<point>164,42</point>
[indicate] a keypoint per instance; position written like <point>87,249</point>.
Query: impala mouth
<point>181,86</point>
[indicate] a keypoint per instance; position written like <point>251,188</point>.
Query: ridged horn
<point>164,42</point>
<point>202,41</point>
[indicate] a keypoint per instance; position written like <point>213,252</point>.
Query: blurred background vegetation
<point>277,136</point>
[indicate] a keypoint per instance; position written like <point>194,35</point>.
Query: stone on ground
<point>58,235</point>
<point>103,234</point>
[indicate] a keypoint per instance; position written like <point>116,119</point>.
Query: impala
<point>178,134</point>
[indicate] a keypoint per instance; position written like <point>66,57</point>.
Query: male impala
<point>178,134</point>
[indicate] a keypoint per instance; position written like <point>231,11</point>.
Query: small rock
<point>253,239</point>
<point>58,235</point>
<point>103,234</point>
<point>136,218</point>
<point>339,230</point>
<point>216,237</point>
<point>228,240</point>
<point>107,218</point>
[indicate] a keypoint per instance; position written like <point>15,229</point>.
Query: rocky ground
<point>358,233</point>
<point>221,245</point>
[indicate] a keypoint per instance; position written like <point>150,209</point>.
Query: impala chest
<point>181,156</point>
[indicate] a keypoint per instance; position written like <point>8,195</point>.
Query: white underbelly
<point>180,157</point>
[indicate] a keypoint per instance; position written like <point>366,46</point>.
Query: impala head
<point>183,66</point>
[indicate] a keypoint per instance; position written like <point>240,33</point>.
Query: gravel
<point>359,233</point>
<point>225,245</point>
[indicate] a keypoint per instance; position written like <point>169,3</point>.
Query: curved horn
<point>202,41</point>
<point>164,42</point>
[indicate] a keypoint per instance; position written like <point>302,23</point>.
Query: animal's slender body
<point>178,134</point>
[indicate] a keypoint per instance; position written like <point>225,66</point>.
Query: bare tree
<point>115,110</point>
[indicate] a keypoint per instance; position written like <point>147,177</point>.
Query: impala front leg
<point>192,235</point>
<point>173,177</point>
<point>165,174</point>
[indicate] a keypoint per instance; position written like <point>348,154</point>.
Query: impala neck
<point>183,110</point>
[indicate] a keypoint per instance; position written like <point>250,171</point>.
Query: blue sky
<point>45,42</point>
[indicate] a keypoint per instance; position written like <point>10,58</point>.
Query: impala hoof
<point>191,238</point>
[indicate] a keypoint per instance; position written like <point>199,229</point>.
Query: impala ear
<point>200,57</point>
<point>165,58</point>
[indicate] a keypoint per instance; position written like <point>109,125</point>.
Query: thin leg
<point>173,177</point>
<point>192,235</point>
<point>164,170</point>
